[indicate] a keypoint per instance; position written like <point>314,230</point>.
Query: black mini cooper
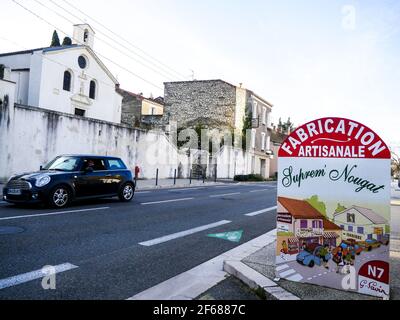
<point>72,177</point>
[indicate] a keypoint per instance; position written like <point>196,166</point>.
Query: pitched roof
<point>300,208</point>
<point>54,49</point>
<point>15,53</point>
<point>140,97</point>
<point>329,225</point>
<point>368,213</point>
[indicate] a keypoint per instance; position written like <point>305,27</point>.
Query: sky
<point>310,59</point>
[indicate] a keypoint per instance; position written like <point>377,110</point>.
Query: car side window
<point>116,164</point>
<point>96,164</point>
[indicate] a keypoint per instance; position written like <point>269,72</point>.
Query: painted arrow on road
<point>233,236</point>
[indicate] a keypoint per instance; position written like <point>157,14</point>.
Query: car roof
<point>89,156</point>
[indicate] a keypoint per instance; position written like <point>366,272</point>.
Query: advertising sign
<point>333,213</point>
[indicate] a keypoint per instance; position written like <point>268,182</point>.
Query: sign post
<point>333,211</point>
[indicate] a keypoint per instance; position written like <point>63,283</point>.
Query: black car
<point>72,177</point>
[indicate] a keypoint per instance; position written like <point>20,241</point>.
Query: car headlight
<point>12,177</point>
<point>41,181</point>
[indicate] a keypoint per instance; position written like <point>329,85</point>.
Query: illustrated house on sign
<point>360,224</point>
<point>299,224</point>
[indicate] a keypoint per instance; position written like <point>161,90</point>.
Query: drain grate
<point>10,230</point>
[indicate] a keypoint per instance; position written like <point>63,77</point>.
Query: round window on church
<point>82,62</point>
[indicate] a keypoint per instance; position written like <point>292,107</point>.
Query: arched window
<point>92,91</point>
<point>86,36</point>
<point>67,81</point>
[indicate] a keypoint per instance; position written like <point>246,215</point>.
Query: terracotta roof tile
<point>300,208</point>
<point>329,225</point>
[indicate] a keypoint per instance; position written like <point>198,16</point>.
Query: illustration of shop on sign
<point>333,215</point>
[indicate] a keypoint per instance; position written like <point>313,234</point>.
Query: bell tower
<point>83,34</point>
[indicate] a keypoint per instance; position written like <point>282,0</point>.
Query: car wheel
<point>127,192</point>
<point>59,197</point>
<point>311,264</point>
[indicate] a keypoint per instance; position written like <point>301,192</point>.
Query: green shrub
<point>249,177</point>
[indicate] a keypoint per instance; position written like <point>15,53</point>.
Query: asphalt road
<point>113,250</point>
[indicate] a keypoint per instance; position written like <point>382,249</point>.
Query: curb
<point>178,186</point>
<point>257,281</point>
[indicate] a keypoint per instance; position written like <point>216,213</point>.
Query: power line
<point>127,41</point>
<point>163,74</point>
<point>79,42</point>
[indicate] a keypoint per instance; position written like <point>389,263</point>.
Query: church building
<point>66,78</point>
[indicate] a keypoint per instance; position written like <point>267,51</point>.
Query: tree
<point>318,205</point>
<point>55,41</point>
<point>247,124</point>
<point>286,127</point>
<point>2,67</point>
<point>395,165</point>
<point>340,208</point>
<point>67,41</point>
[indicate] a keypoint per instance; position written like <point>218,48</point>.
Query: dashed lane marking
<point>52,214</point>
<point>166,201</point>
<point>256,213</point>
<point>30,276</point>
<point>183,233</point>
<point>261,190</point>
<point>225,195</point>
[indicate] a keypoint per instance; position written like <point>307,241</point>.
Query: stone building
<point>141,112</point>
<point>277,138</point>
<point>217,104</point>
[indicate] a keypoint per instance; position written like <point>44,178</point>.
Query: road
<point>105,249</point>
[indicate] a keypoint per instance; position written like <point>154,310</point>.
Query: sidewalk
<point>258,269</point>
<point>169,183</point>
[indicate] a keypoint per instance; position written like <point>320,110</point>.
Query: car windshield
<point>66,164</point>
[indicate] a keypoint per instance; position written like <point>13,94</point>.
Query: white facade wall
<point>21,78</point>
<point>42,85</point>
<point>106,106</point>
<point>231,162</point>
<point>6,117</point>
<point>31,137</point>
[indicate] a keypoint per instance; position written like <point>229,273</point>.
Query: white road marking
<point>261,190</point>
<point>287,273</point>
<point>186,189</point>
<point>53,213</point>
<point>256,213</point>
<point>282,267</point>
<point>166,201</point>
<point>224,186</point>
<point>30,276</point>
<point>182,234</point>
<point>297,277</point>
<point>192,283</point>
<point>224,195</point>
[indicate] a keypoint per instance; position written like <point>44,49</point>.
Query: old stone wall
<point>209,103</point>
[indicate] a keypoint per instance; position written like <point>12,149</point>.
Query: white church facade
<point>69,79</point>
